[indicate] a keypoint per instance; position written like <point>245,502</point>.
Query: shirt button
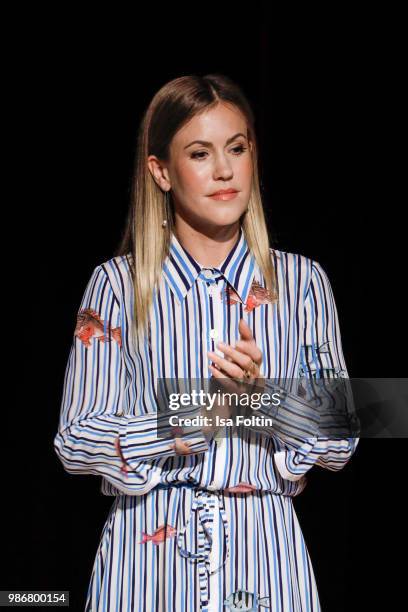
<point>214,333</point>
<point>207,273</point>
<point>120,412</point>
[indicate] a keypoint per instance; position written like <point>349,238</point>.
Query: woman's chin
<point>223,218</point>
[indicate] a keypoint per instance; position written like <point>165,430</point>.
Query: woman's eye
<point>196,155</point>
<point>239,150</point>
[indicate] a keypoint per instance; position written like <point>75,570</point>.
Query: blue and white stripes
<point>110,391</point>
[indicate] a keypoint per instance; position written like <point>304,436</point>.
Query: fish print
<point>257,295</point>
<point>242,487</point>
<point>125,468</point>
<point>161,533</point>
<point>90,325</point>
<point>244,601</point>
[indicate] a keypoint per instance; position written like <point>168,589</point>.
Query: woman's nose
<point>223,168</point>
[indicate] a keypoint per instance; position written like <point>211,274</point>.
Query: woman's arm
<point>321,358</point>
<point>299,424</point>
<point>91,415</point>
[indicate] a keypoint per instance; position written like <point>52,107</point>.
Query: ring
<point>248,373</point>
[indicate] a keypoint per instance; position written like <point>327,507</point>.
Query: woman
<point>199,522</point>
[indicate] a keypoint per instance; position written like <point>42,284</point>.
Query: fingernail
<point>221,344</point>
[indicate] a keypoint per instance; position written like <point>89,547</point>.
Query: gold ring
<point>248,373</point>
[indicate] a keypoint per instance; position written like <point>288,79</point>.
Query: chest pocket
<point>317,361</point>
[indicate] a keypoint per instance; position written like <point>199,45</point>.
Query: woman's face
<point>221,161</point>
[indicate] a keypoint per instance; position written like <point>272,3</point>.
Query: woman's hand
<point>181,447</point>
<point>245,356</point>
<point>230,370</point>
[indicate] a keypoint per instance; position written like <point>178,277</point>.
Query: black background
<point>326,92</point>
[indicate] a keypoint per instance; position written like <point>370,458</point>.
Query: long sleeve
<point>321,357</point>
<point>302,419</point>
<point>92,408</point>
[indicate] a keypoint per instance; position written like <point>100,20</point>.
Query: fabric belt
<point>205,503</point>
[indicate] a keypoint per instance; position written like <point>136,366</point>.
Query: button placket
<point>216,331</point>
<point>211,278</point>
<point>218,315</point>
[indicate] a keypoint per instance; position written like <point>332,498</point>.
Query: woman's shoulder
<point>290,262</point>
<point>117,270</point>
<point>119,264</point>
<point>298,268</point>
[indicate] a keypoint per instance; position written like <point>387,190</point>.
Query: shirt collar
<point>239,267</point>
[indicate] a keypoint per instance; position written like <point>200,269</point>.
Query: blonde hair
<point>144,238</point>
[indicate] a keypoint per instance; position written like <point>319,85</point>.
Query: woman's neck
<point>207,250</point>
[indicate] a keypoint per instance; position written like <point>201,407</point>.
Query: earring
<point>166,204</point>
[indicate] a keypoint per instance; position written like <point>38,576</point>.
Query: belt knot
<point>204,504</point>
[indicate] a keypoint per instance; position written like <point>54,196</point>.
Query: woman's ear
<point>159,172</point>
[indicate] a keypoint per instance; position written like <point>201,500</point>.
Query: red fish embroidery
<point>89,324</point>
<point>159,535</point>
<point>257,295</point>
<point>242,487</point>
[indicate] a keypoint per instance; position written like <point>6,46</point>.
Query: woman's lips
<point>224,196</point>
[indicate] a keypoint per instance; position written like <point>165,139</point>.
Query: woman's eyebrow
<point>209,144</point>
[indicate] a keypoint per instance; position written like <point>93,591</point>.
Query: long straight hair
<point>145,242</point>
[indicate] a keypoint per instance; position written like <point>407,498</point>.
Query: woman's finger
<point>181,447</point>
<point>251,349</point>
<point>244,355</point>
<point>245,330</point>
<point>229,367</point>
<point>228,383</point>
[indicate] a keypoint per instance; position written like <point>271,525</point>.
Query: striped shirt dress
<point>214,530</point>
